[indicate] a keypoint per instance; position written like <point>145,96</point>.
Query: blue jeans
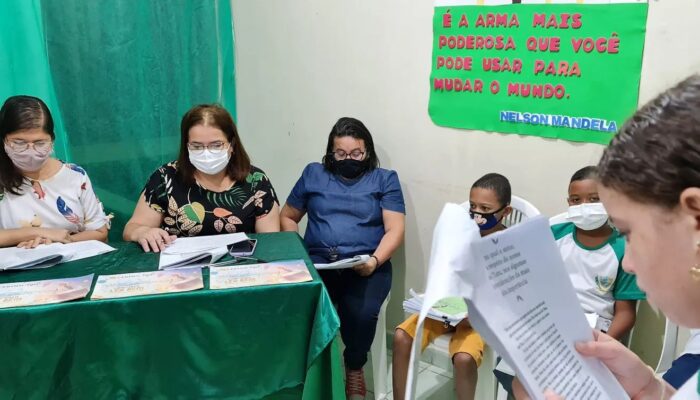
<point>682,369</point>
<point>358,300</point>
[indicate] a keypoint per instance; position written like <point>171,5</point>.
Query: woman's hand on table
<point>47,236</point>
<point>154,239</point>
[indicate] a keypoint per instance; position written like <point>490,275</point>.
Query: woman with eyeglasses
<point>211,189</point>
<point>42,199</point>
<point>353,208</point>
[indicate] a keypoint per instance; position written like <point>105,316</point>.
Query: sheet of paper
<point>451,309</point>
<point>198,244</point>
<point>44,292</point>
<point>273,273</point>
<point>345,263</point>
<point>531,305</point>
<point>145,283</point>
<point>520,300</point>
<point>49,255</point>
<point>198,258</point>
<point>450,249</point>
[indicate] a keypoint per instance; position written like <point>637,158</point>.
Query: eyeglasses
<point>215,147</point>
<point>342,155</point>
<point>40,146</point>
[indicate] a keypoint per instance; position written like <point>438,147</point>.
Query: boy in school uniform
<point>489,203</point>
<point>592,251</point>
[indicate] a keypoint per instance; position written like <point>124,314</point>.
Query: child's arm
<point>623,319</point>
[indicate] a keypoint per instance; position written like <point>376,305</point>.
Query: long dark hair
<point>347,126</point>
<point>20,113</point>
<point>215,116</point>
<point>656,154</point>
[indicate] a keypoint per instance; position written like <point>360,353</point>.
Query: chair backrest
<point>559,218</point>
<point>669,347</point>
<point>522,210</point>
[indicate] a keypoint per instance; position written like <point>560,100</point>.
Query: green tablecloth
<point>275,342</point>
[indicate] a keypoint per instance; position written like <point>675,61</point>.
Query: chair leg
<point>380,371</point>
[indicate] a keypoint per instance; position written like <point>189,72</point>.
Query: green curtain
<point>24,63</point>
<point>124,73</point>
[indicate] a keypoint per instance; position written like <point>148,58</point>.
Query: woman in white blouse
<point>42,199</point>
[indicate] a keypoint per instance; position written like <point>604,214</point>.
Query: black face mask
<point>349,169</point>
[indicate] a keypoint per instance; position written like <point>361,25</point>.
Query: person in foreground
<point>42,199</point>
<point>650,186</point>
<point>354,208</point>
<point>489,203</point>
<point>211,189</point>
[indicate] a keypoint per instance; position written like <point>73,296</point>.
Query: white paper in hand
<point>450,253</point>
<point>344,263</point>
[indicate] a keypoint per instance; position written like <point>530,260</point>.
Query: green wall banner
<point>567,71</point>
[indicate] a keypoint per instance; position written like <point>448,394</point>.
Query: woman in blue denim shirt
<point>353,208</point>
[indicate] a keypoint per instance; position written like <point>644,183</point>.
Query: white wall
<point>302,64</point>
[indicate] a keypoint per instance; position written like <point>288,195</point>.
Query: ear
<point>507,211</point>
<point>690,204</point>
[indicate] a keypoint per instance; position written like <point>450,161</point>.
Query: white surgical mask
<point>588,216</point>
<point>210,163</point>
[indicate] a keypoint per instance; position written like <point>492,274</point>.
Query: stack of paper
<point>197,251</point>
<point>345,263</point>
<point>44,292</point>
<point>43,256</point>
<point>451,310</point>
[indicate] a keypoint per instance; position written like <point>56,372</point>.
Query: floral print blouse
<point>192,210</point>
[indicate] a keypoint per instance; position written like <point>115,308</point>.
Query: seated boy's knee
<point>402,339</point>
<point>464,360</point>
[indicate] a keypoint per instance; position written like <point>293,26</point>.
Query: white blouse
<point>690,390</point>
<point>63,201</point>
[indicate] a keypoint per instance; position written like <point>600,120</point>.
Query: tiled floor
<point>434,383</point>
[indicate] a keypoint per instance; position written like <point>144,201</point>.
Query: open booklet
<point>344,263</point>
<point>48,255</point>
<point>451,310</point>
<point>197,251</point>
<point>520,300</point>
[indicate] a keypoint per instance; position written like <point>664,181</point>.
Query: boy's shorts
<point>464,340</point>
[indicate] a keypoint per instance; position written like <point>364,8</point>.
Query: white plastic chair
<point>380,367</point>
<point>559,218</point>
<point>522,209</point>
<point>669,348</point>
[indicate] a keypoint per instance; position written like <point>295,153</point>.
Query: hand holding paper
<point>520,301</point>
<point>345,263</point>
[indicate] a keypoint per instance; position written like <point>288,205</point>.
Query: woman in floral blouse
<point>212,188</point>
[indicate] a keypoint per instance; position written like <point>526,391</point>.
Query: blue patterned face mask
<point>486,221</point>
